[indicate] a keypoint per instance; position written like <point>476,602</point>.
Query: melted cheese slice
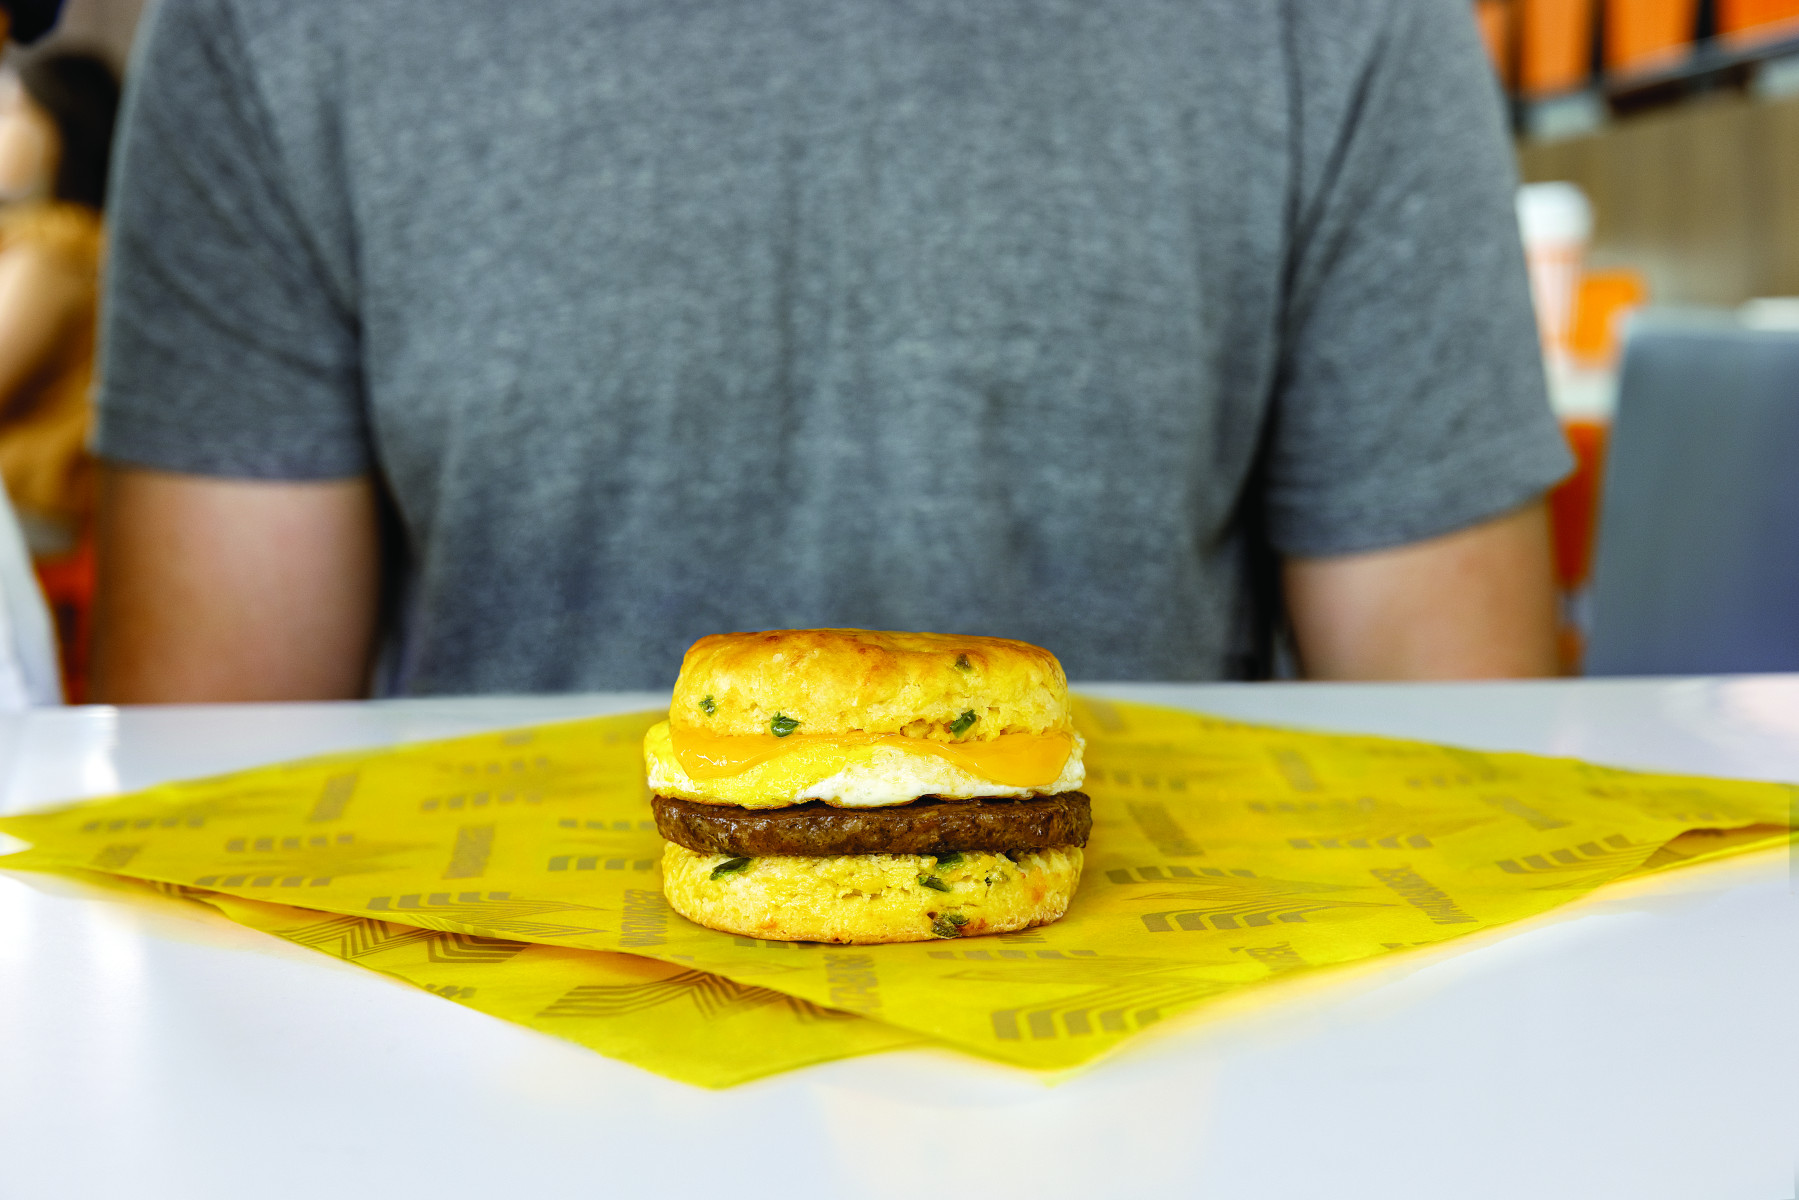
<point>1015,760</point>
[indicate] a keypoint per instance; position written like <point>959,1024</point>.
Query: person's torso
<point>680,318</point>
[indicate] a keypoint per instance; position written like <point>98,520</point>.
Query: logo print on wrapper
<point>117,856</point>
<point>1422,895</point>
<point>1279,958</point>
<point>1589,860</point>
<point>607,845</point>
<point>715,996</point>
<point>334,797</point>
<point>1360,824</point>
<point>355,938</point>
<point>194,814</point>
<point>1164,874</point>
<point>1011,955</point>
<point>474,846</point>
<point>1295,768</point>
<point>1235,900</point>
<point>1412,841</point>
<point>497,912</point>
<point>497,781</point>
<point>1335,808</point>
<point>853,982</point>
<point>1162,830</point>
<point>1116,1009</point>
<point>593,862</point>
<point>1534,817</point>
<point>311,860</point>
<point>646,919</point>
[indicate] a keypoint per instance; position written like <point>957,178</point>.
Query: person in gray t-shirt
<point>473,347</point>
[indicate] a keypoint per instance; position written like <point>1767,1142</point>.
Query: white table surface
<point>1640,1044</point>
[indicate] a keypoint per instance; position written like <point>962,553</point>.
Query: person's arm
<point>238,553</point>
<point>40,297</point>
<point>1477,603</point>
<point>234,590</point>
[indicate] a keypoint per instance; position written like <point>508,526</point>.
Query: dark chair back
<point>1698,555</point>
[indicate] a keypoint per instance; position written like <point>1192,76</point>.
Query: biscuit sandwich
<point>849,786</point>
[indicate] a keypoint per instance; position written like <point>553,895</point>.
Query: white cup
<point>1556,221</point>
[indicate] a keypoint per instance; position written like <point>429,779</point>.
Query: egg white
<point>888,776</point>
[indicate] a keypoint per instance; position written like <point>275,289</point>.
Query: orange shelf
<point>1644,34</point>
<point>1555,45</point>
<point>1740,16</point>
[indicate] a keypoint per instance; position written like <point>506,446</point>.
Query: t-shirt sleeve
<point>230,342</point>
<point>1411,399</point>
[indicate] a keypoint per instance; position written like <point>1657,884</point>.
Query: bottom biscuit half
<point>866,898</point>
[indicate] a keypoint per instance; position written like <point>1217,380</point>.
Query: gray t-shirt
<point>1050,319</point>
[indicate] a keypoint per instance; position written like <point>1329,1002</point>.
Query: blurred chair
<point>1698,557</point>
<point>28,672</point>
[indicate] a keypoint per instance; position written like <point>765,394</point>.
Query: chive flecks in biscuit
<point>933,791</point>
<point>868,898</point>
<point>729,867</point>
<point>866,681</point>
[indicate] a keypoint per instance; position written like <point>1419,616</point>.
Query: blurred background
<point>1658,144</point>
<point>58,103</point>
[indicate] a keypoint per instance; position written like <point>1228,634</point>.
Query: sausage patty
<point>927,826</point>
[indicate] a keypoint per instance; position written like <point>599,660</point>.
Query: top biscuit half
<point>824,681</point>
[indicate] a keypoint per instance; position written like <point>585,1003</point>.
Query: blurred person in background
<point>56,123</point>
<point>28,667</point>
<point>459,347</point>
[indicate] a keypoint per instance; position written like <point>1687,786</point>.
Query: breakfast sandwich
<point>844,785</point>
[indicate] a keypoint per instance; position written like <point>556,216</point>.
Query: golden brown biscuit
<point>865,898</point>
<point>857,680</point>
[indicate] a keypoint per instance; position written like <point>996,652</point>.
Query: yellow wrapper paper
<point>673,1020</point>
<point>1223,855</point>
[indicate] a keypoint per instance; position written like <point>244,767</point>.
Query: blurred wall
<point>1703,197</point>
